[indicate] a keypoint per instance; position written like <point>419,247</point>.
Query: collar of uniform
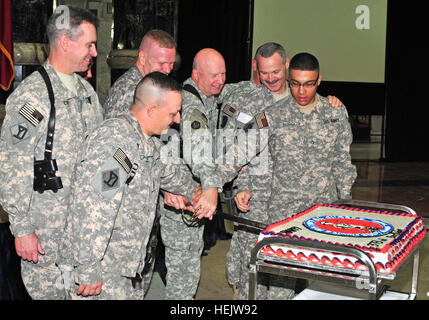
<point>135,71</point>
<point>60,91</point>
<point>150,143</point>
<point>207,101</point>
<point>266,95</point>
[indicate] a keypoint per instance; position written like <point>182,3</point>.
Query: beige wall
<point>331,30</point>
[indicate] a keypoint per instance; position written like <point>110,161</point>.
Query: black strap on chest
<point>44,170</point>
<point>51,123</point>
<point>191,89</point>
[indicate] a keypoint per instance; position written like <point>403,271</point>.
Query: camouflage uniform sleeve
<point>197,147</point>
<point>24,125</point>
<point>243,180</point>
<point>251,139</point>
<point>177,179</point>
<point>97,193</point>
<point>227,89</point>
<point>343,170</point>
<point>121,94</point>
<point>116,102</point>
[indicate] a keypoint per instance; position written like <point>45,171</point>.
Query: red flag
<point>7,70</point>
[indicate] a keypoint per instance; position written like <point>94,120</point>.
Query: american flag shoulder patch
<point>123,160</point>
<point>31,114</point>
<point>261,120</point>
<point>229,110</point>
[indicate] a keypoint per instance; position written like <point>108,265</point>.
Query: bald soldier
<point>116,190</point>
<point>183,242</point>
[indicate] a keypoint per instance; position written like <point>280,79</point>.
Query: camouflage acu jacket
<point>250,100</point>
<point>23,139</point>
<point>115,196</point>
<point>311,156</point>
<point>121,94</point>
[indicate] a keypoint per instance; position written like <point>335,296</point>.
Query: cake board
<point>370,279</point>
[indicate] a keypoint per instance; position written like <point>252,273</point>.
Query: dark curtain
<point>133,18</point>
<point>407,103</point>
<point>222,25</point>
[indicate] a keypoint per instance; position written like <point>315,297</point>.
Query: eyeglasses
<point>307,85</point>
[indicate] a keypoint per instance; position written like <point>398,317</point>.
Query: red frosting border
<point>390,266</point>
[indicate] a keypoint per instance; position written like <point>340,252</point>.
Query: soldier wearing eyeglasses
<point>309,144</point>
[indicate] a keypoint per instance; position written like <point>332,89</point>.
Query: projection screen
<point>347,36</point>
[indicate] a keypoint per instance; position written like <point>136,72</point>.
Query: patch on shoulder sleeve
<point>198,120</point>
<point>112,175</point>
<point>31,114</point>
<point>19,132</point>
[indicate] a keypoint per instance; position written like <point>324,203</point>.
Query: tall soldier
<point>157,52</point>
<point>37,217</point>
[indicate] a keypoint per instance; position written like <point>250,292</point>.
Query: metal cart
<point>372,282</point>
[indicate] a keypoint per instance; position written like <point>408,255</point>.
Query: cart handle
<point>336,248</point>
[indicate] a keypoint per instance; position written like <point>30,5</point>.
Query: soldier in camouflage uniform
<point>37,219</point>
<point>309,142</point>
<point>310,145</point>
<point>157,52</point>
<point>116,191</point>
<point>253,182</point>
<point>183,243</point>
<point>256,177</point>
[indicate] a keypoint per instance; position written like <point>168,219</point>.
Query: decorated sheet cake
<point>387,237</point>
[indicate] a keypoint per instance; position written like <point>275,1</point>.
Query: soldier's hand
<point>334,101</point>
<point>29,247</point>
<point>90,289</point>
<point>242,200</point>
<point>197,195</point>
<point>175,201</point>
<point>206,205</point>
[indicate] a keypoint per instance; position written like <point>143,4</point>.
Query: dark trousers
<point>11,285</point>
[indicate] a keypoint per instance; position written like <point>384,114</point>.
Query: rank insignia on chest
<point>327,121</point>
<point>228,110</point>
<point>31,114</point>
<point>261,120</point>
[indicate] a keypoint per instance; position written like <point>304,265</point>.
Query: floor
<point>395,183</point>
